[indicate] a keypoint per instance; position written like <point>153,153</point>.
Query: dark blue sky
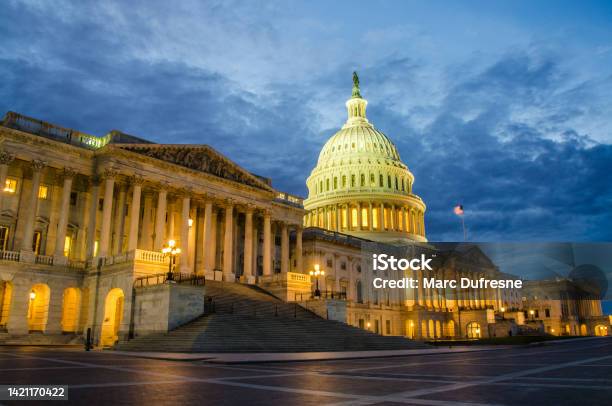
<point>503,107</point>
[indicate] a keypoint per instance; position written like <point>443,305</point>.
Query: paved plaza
<point>575,372</point>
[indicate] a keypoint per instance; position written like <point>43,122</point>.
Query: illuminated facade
<point>361,187</point>
<point>84,220</point>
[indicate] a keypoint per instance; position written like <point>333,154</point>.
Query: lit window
<point>67,245</point>
<point>4,235</point>
<point>364,217</point>
<point>375,218</point>
<point>96,246</point>
<point>10,185</point>
<point>36,242</point>
<point>43,192</point>
<point>354,217</point>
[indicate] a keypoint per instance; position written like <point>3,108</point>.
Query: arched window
<point>389,181</point>
<point>335,183</point>
<point>327,184</point>
<point>343,181</point>
<point>372,180</point>
<point>352,180</point>
<point>396,184</point>
<point>381,181</point>
<point>473,330</point>
<point>403,189</point>
<point>363,180</point>
<point>359,293</point>
<point>320,186</point>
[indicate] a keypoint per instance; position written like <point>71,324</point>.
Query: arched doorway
<point>438,329</point>
<point>70,310</point>
<point>601,330</point>
<point>583,329</point>
<point>410,329</point>
<point>473,330</point>
<point>113,312</point>
<point>450,327</point>
<point>6,293</point>
<point>432,330</point>
<point>424,329</point>
<point>38,307</point>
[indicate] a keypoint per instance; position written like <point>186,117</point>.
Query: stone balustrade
<point>9,256</point>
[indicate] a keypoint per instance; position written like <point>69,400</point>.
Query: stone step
<point>249,319</point>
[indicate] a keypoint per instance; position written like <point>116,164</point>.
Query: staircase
<point>248,319</point>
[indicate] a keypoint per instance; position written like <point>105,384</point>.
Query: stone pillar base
<point>229,277</point>
<point>248,279</point>
<point>27,256</point>
<point>60,260</point>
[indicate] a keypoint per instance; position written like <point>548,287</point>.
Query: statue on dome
<point>356,92</point>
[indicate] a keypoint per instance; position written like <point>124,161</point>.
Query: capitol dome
<point>360,186</point>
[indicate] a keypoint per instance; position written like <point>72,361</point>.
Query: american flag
<point>458,210</point>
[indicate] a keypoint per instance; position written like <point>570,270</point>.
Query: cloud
<point>519,135</point>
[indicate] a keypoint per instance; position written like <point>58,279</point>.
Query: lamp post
<point>316,273</point>
<point>171,250</point>
<point>532,313</point>
<point>503,310</point>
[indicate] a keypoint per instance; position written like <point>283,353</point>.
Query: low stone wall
<point>330,309</point>
<point>161,308</point>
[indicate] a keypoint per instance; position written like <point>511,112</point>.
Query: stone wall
<point>161,308</point>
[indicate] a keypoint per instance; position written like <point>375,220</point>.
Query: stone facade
<point>84,217</point>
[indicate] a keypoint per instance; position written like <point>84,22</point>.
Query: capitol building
<point>118,238</point>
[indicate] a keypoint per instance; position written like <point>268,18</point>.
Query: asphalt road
<point>572,373</point>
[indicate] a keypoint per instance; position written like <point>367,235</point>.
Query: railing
<point>74,264</point>
<point>150,256</point>
<point>324,294</point>
<point>291,199</point>
<point>44,259</point>
<point>289,276</point>
<point>33,126</point>
<point>158,279</point>
<point>9,256</point>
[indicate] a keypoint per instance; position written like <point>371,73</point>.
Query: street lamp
<point>503,310</point>
<point>316,273</point>
<point>171,250</point>
<point>532,313</point>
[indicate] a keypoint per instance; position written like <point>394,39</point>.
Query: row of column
<point>435,298</point>
<point>367,216</point>
<point>208,241</point>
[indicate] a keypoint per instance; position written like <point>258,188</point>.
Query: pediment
<point>202,158</point>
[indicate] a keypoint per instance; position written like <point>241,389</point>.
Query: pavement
<point>565,373</point>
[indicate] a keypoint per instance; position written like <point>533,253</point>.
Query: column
<point>208,260</point>
<point>405,220</point>
<point>93,216</point>
<point>255,246</point>
<point>392,222</point>
<point>160,219</point>
<point>170,232</point>
<point>338,218</point>
<point>228,239</point>
<point>267,248</point>
<point>147,234</point>
<point>134,213</point>
<point>5,161</point>
<point>359,218</point>
<point>107,208</point>
<point>284,248</point>
<point>382,217</point>
<point>298,250</point>
<point>26,243</point>
<point>248,244</point>
<point>62,223</point>
<point>370,217</point>
<point>184,244</point>
<point>119,221</point>
<point>213,240</point>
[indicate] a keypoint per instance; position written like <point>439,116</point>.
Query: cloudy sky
<point>505,108</point>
